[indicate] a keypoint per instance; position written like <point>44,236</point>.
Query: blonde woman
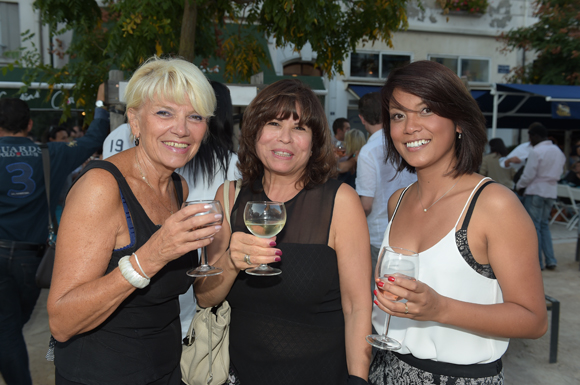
<point>124,245</point>
<point>354,140</point>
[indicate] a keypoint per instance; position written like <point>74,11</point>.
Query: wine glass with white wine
<point>212,208</point>
<point>264,219</point>
<point>398,263</point>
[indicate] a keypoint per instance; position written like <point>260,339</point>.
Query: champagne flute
<point>264,220</point>
<point>399,263</point>
<point>215,207</point>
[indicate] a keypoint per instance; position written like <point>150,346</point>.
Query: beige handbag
<point>200,365</point>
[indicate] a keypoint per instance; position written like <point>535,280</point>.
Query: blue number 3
<point>24,178</point>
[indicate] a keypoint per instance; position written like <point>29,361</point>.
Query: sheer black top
<point>141,341</point>
<point>289,329</point>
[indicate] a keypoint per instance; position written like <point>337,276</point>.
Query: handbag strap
<point>210,346</point>
<point>238,184</point>
<point>52,226</point>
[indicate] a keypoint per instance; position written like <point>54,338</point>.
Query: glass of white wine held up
<point>399,263</point>
<point>212,208</point>
<point>264,219</point>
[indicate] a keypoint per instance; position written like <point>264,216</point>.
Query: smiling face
<point>420,136</point>
<point>170,134</point>
<point>284,146</point>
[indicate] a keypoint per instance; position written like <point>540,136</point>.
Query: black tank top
<point>289,329</point>
<point>141,341</point>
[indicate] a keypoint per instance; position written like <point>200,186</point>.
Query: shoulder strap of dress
<point>469,199</point>
<point>399,201</point>
<point>472,205</point>
<point>178,188</point>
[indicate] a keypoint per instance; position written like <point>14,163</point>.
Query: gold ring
<point>406,308</point>
<point>247,259</point>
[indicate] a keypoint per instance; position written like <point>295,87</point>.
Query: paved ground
<point>525,363</point>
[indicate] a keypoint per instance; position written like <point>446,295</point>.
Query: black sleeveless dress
<point>140,343</point>
<point>289,329</point>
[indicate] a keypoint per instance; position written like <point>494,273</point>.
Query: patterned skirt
<point>388,369</point>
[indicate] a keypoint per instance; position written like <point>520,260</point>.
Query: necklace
<point>425,209</point>
<point>149,184</point>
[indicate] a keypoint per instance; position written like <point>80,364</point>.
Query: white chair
<point>562,207</point>
<point>574,194</point>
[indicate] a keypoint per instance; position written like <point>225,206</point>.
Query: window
<point>301,69</point>
<point>9,27</point>
<point>475,70</point>
<point>376,65</point>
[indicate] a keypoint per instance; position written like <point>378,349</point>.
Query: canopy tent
<point>519,105</point>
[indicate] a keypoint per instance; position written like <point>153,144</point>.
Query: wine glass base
<point>204,271</point>
<point>263,271</point>
<point>383,342</point>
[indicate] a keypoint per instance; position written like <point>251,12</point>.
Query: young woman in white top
<point>479,280</point>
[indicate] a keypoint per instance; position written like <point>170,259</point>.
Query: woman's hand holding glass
<point>258,251</point>
<point>394,265</point>
<point>212,209</point>
<point>181,233</point>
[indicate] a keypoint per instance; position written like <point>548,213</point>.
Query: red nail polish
<point>375,292</point>
<point>376,302</point>
<point>392,279</point>
<point>380,284</point>
<point>272,243</point>
<point>278,252</point>
<point>277,259</point>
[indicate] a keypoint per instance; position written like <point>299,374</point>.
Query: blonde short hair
<point>171,79</point>
<point>354,140</point>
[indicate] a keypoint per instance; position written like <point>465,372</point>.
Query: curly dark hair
<point>281,100</point>
<point>14,115</point>
<point>445,94</point>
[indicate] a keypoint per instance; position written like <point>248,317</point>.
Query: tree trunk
<point>188,23</point>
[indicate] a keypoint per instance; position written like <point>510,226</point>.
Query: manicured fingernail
<point>376,302</point>
<point>277,259</point>
<point>380,284</point>
<point>392,279</point>
<point>375,292</point>
<point>278,252</point>
<point>207,206</point>
<point>272,243</point>
<point>218,216</point>
<point>218,227</point>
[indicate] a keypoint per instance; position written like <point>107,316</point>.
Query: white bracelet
<point>140,268</point>
<point>131,274</point>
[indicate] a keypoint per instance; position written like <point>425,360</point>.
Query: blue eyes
<point>195,118</point>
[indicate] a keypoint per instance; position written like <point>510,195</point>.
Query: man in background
<point>340,127</point>
<point>538,185</point>
<point>376,178</point>
<point>24,219</point>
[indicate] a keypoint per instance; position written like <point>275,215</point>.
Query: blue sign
<point>503,69</point>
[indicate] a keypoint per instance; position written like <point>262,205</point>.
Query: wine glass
<point>264,219</point>
<point>399,263</point>
<point>205,270</point>
<point>340,149</point>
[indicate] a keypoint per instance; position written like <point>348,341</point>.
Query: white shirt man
<point>376,180</point>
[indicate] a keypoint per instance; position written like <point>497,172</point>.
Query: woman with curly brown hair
<point>308,324</point>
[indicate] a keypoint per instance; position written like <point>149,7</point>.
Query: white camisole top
<point>446,270</point>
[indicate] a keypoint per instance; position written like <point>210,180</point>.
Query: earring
<point>136,141</point>
<point>459,137</point>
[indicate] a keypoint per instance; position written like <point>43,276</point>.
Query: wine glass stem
<point>387,322</point>
<point>203,256</point>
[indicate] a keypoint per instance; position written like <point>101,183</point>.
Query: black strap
<point>472,205</point>
<point>52,224</point>
<point>453,370</point>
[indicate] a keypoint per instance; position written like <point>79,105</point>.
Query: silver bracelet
<point>131,274</point>
<point>140,268</point>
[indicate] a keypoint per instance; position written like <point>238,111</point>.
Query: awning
<point>360,91</point>
<point>519,105</point>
